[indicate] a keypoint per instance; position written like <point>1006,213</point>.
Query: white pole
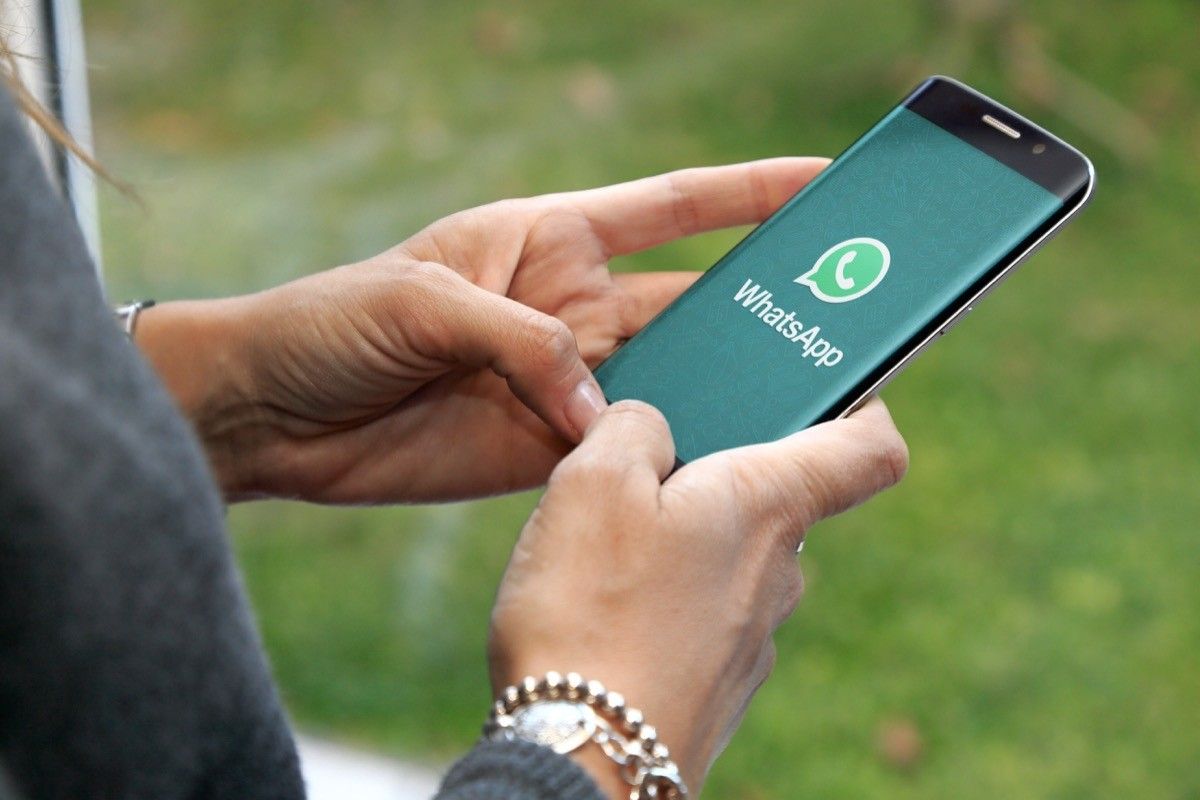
<point>71,62</point>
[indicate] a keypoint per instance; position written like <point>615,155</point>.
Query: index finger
<point>790,484</point>
<point>633,216</point>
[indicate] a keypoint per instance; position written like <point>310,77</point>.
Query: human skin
<point>449,366</point>
<point>457,364</point>
<point>667,587</point>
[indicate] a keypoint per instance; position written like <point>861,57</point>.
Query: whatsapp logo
<point>848,270</point>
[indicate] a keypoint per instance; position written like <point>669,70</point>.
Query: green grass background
<point>1018,619</point>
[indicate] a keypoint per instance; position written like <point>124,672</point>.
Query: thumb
<point>629,437</point>
<point>790,484</point>
<point>535,352</point>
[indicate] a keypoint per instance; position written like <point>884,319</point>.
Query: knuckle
<point>628,313</point>
<point>887,458</point>
<point>423,278</point>
<point>770,657</point>
<point>895,457</point>
<point>589,470</point>
<point>766,663</point>
<point>760,193</point>
<point>509,207</point>
<point>743,477</point>
<point>550,340</point>
<point>608,457</point>
<point>793,592</point>
<point>425,271</point>
<point>683,203</point>
<point>635,412</point>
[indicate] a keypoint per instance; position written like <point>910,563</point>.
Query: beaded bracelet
<point>564,713</point>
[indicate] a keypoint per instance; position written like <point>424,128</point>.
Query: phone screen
<point>822,296</point>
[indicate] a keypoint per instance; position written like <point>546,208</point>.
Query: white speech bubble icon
<point>829,279</point>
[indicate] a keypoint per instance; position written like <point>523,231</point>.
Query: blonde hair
<point>10,76</point>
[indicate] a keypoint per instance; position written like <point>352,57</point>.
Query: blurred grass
<point>1018,619</point>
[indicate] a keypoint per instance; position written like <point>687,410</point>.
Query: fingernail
<point>584,405</point>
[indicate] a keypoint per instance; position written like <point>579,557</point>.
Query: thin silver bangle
<point>127,314</point>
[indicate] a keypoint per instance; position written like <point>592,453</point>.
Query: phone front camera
<point>1039,148</point>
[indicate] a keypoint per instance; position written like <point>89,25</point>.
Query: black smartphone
<point>891,245</point>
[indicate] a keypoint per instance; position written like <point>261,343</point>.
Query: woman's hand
<point>454,365</point>
<point>668,589</point>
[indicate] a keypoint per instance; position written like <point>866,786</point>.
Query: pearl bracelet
<point>564,713</point>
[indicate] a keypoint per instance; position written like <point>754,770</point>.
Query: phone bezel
<point>1070,175</point>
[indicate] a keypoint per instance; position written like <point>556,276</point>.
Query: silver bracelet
<point>563,714</point>
<point>127,314</point>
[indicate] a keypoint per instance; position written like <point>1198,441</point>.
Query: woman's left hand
<point>452,365</point>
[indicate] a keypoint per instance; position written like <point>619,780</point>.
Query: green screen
<point>822,294</point>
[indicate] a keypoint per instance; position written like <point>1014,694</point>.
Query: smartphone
<point>831,297</point>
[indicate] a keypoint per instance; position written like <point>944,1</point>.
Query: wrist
<point>610,740</point>
<point>679,720</point>
<point>197,348</point>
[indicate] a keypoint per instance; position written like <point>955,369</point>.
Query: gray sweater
<point>130,666</point>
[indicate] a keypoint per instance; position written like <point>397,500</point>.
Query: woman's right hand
<point>668,589</point>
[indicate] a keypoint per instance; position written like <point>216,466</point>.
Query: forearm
<point>198,349</point>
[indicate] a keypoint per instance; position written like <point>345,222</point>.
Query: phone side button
<point>953,321</point>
